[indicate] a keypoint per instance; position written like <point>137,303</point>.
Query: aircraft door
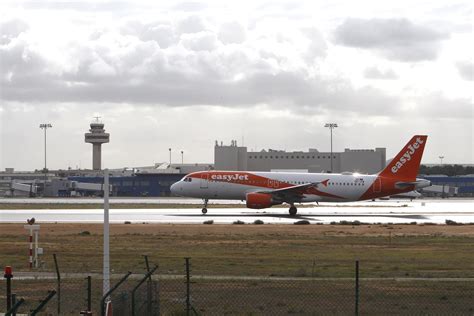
<point>205,182</point>
<point>377,185</point>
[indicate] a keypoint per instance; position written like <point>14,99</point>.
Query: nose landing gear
<point>204,209</point>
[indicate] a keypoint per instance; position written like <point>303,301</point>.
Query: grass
<point>262,250</point>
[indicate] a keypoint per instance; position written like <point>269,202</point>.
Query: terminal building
<point>155,180</point>
<point>234,157</point>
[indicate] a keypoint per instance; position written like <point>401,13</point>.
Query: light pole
<point>331,126</point>
<point>170,156</point>
<point>45,126</point>
<point>441,159</point>
<point>182,157</point>
<point>106,249</point>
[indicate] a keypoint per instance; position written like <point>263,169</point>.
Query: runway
<point>392,211</point>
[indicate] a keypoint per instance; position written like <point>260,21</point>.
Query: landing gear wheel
<point>204,207</point>
<point>293,210</point>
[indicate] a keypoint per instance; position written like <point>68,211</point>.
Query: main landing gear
<point>204,209</point>
<point>292,210</point>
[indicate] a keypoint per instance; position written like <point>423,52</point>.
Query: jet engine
<point>260,200</point>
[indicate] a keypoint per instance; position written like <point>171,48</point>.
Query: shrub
<point>238,223</point>
<point>355,223</point>
<point>451,222</point>
<point>85,233</point>
<point>303,222</point>
<point>209,222</point>
<point>127,222</point>
<point>258,222</point>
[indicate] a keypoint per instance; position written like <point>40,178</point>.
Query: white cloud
<point>202,41</point>
<point>212,70</point>
<point>397,39</point>
<point>466,69</point>
<point>232,33</point>
<point>376,73</point>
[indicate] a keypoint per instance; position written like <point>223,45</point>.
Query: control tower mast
<point>97,137</point>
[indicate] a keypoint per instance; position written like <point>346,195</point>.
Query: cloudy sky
<point>268,73</point>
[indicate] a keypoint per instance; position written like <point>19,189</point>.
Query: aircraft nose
<point>175,187</point>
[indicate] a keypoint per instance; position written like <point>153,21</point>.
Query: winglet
<point>406,164</point>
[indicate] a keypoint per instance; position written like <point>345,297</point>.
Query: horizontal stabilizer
<point>422,183</point>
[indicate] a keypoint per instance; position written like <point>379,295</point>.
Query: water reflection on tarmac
<point>391,211</point>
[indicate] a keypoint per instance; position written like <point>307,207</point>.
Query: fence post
<point>357,288</point>
<point>188,294</point>
<point>13,302</point>
<point>149,284</point>
<point>102,301</point>
<point>89,293</point>
<point>147,276</point>
<point>59,283</point>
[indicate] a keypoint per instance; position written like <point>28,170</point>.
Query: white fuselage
<point>236,185</point>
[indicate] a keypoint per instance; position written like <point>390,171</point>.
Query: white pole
<point>30,238</point>
<point>36,248</point>
<point>106,272</point>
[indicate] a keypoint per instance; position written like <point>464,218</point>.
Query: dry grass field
<point>263,250</point>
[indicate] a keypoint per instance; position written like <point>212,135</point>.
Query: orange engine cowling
<point>259,200</point>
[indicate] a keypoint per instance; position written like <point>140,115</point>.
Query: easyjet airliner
<point>265,189</point>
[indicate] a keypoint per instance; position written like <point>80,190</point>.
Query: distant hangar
<point>234,157</point>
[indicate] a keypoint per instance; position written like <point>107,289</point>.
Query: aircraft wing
<point>292,193</point>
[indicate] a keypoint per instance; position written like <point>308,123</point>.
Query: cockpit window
<point>187,179</point>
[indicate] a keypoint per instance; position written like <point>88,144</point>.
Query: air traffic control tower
<point>97,137</point>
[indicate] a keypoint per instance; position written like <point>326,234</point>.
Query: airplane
<point>264,189</point>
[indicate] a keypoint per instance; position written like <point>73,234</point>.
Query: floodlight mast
<point>331,126</point>
<point>45,126</point>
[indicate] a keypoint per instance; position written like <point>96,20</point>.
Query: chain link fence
<point>151,293</point>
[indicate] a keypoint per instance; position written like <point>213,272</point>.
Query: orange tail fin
<point>406,164</point>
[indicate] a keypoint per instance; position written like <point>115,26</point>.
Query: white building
<point>234,157</point>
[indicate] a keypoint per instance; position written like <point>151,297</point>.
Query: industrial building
<point>234,157</point>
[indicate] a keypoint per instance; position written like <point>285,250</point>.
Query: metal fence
<point>152,293</point>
